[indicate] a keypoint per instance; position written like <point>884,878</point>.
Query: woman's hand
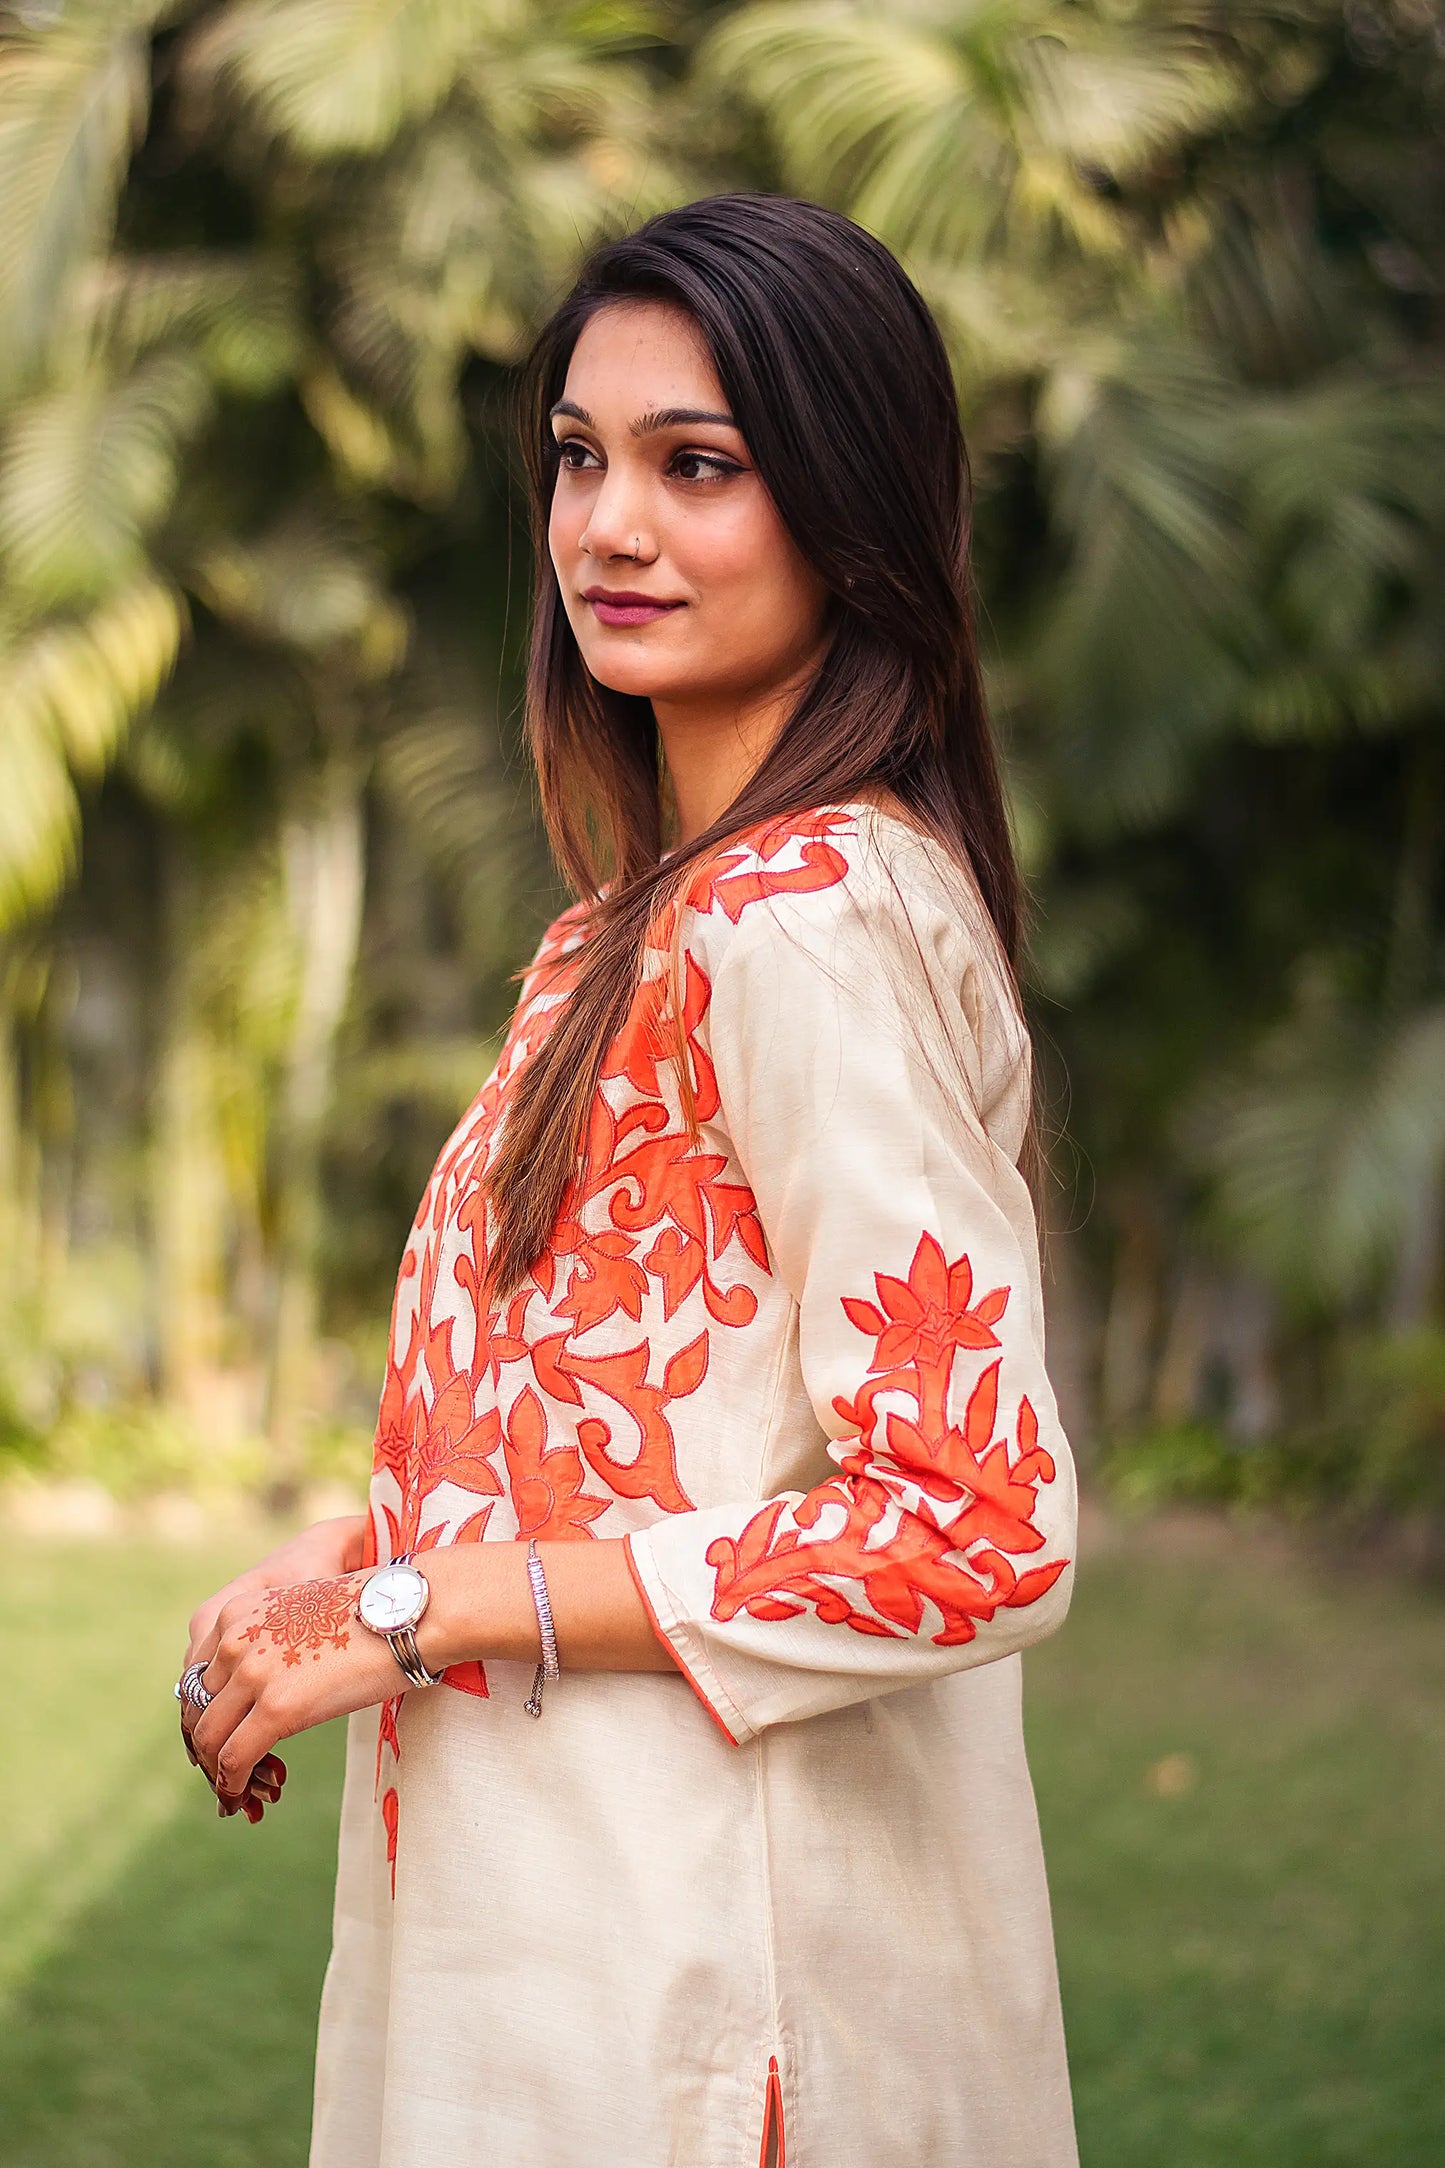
<point>323,1550</point>
<point>277,1662</point>
<point>326,1548</point>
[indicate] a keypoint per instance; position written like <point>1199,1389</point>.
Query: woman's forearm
<point>481,1606</point>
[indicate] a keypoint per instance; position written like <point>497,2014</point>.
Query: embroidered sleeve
<point>934,1528</point>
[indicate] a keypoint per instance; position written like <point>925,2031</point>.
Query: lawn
<point>1240,1760</point>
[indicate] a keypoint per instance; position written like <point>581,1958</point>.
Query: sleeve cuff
<point>682,1643</point>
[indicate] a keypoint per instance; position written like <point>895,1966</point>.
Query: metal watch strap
<point>404,1648</point>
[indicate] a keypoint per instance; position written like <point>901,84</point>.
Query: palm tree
<point>251,445</point>
<point>265,269</point>
<point>1185,263</point>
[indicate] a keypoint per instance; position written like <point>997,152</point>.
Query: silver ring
<point>189,1687</point>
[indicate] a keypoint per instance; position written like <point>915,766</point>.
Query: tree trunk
<point>1415,1286</point>
<point>1181,1359</point>
<point>189,1202</point>
<point>325,882</point>
<point>1129,1326</point>
<point>12,1215</point>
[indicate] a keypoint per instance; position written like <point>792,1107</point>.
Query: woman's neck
<point>712,748</point>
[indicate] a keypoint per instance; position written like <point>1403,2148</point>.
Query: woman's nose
<point>617,525</point>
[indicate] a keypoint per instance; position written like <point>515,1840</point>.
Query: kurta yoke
<point>788,1341</point>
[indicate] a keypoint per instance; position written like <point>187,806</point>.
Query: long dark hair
<point>837,377</point>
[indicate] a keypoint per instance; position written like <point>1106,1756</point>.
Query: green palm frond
<point>1321,1149</point>
<point>1320,696</point>
<point>1150,627</point>
<point>238,314</point>
<point>1347,491</point>
<point>440,770</point>
<point>452,246</point>
<point>1000,325</point>
<point>194,755</point>
<point>1119,96</point>
<point>39,818</point>
<point>1260,278</point>
<point>1345,501</point>
<point>606,184</point>
<point>311,584</point>
<point>879,114</point>
<point>72,102</point>
<point>69,690</point>
<point>429,258</point>
<point>960,130</point>
<point>338,77</point>
<point>86,473</point>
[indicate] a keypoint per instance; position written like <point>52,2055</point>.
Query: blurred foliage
<point>267,851</point>
<point>1371,1457</point>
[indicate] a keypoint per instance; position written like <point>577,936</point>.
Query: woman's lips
<point>626,609</point>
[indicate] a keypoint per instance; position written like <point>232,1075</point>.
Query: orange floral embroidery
<point>649,1218</point>
<point>931,1514</point>
<point>391,1816</point>
<point>730,881</point>
<point>386,1736</point>
<point>546,1481</point>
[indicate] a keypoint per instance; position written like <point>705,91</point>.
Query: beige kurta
<point>793,1351</point>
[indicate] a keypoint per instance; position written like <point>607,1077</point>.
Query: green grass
<point>160,1967</point>
<point>1253,1969</point>
<point>1253,1954</point>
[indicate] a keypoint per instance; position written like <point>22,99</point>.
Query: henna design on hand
<point>312,1615</point>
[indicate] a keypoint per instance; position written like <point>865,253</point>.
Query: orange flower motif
<point>930,1314</point>
<point>546,1481</point>
<point>966,1501</point>
<point>455,1445</point>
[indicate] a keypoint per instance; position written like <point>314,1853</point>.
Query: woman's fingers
<point>235,1733</point>
<point>241,1750</point>
<point>213,1729</point>
<point>241,1787</point>
<point>205,1626</point>
<point>202,1625</point>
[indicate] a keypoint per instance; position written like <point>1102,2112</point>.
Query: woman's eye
<point>576,457</point>
<point>703,467</point>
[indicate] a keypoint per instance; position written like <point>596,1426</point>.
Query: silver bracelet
<point>549,1668</point>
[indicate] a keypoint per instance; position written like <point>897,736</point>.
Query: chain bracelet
<point>549,1668</point>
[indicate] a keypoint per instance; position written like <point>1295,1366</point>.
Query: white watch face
<point>394,1596</point>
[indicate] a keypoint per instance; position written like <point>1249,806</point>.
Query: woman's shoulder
<point>857,904</point>
<point>803,874</point>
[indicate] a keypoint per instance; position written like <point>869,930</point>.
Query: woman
<point>719,1326</point>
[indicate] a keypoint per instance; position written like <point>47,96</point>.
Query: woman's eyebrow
<point>676,417</point>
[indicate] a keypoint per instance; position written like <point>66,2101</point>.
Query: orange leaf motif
<point>926,1515</point>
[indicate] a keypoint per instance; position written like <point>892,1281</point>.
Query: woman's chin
<point>639,676</point>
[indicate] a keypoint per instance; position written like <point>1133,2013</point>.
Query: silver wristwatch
<point>391,1601</point>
